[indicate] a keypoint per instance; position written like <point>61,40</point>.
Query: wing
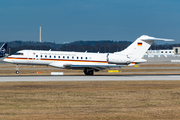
<point>82,67</point>
<point>95,67</point>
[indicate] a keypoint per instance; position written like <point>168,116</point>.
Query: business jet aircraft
<point>88,62</point>
<point>3,50</point>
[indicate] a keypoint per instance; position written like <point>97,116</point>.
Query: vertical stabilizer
<point>138,48</point>
<point>3,50</point>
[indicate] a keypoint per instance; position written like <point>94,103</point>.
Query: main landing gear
<point>88,71</point>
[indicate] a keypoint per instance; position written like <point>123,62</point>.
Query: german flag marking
<point>139,44</point>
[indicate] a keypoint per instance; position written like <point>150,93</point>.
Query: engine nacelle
<point>118,59</point>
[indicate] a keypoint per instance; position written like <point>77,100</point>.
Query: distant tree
<point>102,46</point>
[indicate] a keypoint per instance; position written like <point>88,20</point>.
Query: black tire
<point>91,72</point>
<point>17,72</point>
<point>88,72</point>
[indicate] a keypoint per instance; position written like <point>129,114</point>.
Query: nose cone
<point>7,60</point>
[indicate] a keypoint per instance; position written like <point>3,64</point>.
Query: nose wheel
<point>17,72</point>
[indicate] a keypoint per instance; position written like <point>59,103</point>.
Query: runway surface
<point>88,78</point>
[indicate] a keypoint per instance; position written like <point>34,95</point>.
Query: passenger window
<point>86,58</point>
<point>49,56</point>
<point>81,57</point>
<point>72,57</point>
<point>45,56</point>
<point>77,57</point>
<point>63,56</point>
<point>36,55</point>
<point>59,56</point>
<point>54,56</point>
<point>67,57</point>
<point>41,56</point>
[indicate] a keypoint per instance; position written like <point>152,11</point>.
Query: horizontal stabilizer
<point>145,37</point>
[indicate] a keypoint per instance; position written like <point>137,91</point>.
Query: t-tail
<point>139,47</point>
<point>3,49</point>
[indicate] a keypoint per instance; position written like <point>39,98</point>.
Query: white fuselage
<point>59,58</point>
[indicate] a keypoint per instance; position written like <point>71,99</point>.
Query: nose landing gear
<point>17,69</point>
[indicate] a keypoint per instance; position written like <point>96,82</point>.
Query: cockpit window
<point>18,54</point>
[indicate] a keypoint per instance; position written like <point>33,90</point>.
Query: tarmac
<point>98,77</point>
<point>89,78</point>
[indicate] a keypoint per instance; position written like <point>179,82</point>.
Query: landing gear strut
<point>88,71</point>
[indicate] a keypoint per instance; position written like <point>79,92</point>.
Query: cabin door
<point>31,57</point>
